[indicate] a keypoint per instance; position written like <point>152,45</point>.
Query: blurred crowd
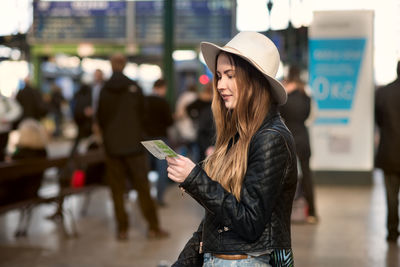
<point>114,114</point>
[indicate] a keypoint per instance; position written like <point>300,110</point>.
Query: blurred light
<point>11,72</point>
<point>149,72</point>
<point>252,17</point>
<point>64,61</point>
<point>300,13</point>
<point>147,75</point>
<point>12,53</point>
<point>152,176</point>
<point>132,71</point>
<point>15,16</point>
<point>15,54</point>
<point>89,65</point>
<point>280,15</point>
<point>5,51</point>
<point>85,50</point>
<point>184,55</point>
<point>203,79</point>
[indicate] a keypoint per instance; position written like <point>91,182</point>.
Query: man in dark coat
<point>120,116</point>
<point>31,102</point>
<point>387,117</point>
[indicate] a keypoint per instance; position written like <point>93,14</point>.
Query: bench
<point>20,168</point>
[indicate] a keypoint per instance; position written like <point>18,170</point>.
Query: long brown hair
<point>228,163</point>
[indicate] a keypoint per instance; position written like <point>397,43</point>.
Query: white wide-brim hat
<point>255,48</point>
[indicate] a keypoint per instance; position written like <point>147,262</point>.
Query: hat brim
<point>210,52</point>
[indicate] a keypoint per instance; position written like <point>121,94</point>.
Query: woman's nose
<point>221,85</point>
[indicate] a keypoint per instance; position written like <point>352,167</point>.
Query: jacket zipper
<point>202,238</point>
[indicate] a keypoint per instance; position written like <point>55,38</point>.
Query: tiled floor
<point>351,232</point>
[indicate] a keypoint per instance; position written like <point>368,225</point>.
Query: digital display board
<point>79,21</point>
<point>203,21</point>
<point>149,22</point>
<point>195,21</point>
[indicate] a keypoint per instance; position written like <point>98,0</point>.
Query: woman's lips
<point>225,97</point>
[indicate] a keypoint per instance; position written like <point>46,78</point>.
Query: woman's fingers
<point>174,175</point>
<point>175,170</point>
<point>171,170</point>
<point>173,161</point>
<point>179,168</point>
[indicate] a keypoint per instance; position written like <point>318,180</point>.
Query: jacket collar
<point>272,114</point>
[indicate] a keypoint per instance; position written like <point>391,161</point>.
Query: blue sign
<point>334,71</point>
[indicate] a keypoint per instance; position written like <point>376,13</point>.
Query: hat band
<point>252,61</point>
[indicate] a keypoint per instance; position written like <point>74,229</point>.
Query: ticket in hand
<point>159,149</point>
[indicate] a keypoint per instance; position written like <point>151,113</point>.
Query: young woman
<point>247,185</point>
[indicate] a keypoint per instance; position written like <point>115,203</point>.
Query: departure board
<point>198,21</point>
<point>149,19</point>
<point>195,21</point>
<point>79,21</point>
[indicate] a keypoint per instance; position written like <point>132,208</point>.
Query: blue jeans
<point>261,261</point>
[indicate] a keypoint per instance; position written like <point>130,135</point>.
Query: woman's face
<point>226,81</point>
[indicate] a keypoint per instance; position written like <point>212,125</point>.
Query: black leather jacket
<point>261,219</point>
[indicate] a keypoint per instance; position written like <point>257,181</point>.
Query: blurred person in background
<point>387,117</point>
<point>184,124</point>
<point>86,103</point>
<point>83,114</point>
<point>158,121</point>
<point>55,105</point>
<point>10,111</point>
<point>98,83</point>
<point>120,116</point>
<point>295,113</point>
<point>31,101</point>
<point>247,185</point>
<point>32,144</point>
<point>201,115</point>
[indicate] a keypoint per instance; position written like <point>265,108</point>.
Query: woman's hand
<point>179,168</point>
